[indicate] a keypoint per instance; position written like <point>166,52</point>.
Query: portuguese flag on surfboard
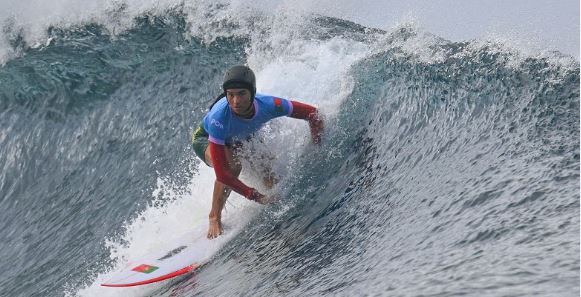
<point>144,268</point>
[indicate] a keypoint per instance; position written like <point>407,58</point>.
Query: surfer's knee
<point>208,157</point>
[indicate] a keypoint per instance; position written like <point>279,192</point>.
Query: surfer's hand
<point>215,228</point>
<point>268,199</point>
<point>262,199</point>
<point>257,197</point>
<point>317,126</point>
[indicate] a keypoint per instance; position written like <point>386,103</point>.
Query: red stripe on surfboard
<point>157,279</point>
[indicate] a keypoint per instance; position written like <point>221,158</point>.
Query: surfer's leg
<point>269,178</point>
<point>262,165</point>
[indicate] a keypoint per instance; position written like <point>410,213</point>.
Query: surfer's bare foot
<point>215,228</point>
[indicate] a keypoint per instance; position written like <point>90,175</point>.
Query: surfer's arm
<point>223,175</point>
<point>311,114</point>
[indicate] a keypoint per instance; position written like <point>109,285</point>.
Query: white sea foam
<point>162,223</point>
<point>208,20</point>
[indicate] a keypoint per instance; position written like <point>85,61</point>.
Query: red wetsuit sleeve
<point>219,161</point>
<point>311,114</point>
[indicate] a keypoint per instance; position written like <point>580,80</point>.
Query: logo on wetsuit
<point>278,105</point>
<point>217,124</point>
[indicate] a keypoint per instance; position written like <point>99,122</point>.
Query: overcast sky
<point>536,24</point>
<point>528,24</point>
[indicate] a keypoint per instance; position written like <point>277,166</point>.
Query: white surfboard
<point>182,256</point>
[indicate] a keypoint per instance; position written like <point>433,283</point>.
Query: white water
<point>531,25</point>
<point>320,68</point>
<point>158,226</point>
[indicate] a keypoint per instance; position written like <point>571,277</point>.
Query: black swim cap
<point>240,77</point>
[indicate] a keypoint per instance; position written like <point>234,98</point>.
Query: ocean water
<point>447,168</point>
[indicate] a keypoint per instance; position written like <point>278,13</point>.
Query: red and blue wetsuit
<point>224,128</point>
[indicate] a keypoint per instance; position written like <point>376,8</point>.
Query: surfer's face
<point>239,101</point>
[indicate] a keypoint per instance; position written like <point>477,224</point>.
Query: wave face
<point>447,168</point>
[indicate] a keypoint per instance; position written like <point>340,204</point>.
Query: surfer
<point>233,117</point>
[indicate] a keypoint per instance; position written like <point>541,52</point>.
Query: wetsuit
<point>221,128</point>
